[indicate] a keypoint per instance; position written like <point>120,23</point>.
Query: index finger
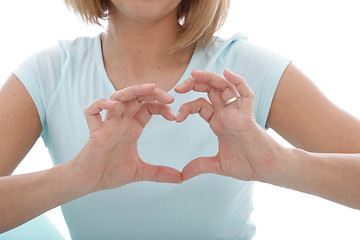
<point>133,92</point>
<point>144,92</point>
<point>212,79</point>
<point>205,81</point>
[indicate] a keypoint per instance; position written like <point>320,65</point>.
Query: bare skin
<point>108,160</point>
<point>141,56</point>
<point>18,135</point>
<point>247,152</point>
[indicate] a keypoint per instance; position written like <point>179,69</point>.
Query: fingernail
<point>198,74</point>
<point>179,85</point>
<point>169,97</point>
<point>196,70</point>
<point>178,116</point>
<point>173,115</point>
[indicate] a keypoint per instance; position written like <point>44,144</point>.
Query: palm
<point>234,124</point>
<point>110,158</point>
<point>233,160</point>
<point>123,157</point>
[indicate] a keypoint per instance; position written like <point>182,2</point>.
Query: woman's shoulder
<point>235,38</point>
<point>237,52</point>
<point>79,45</point>
<point>50,60</point>
<point>220,44</point>
<point>237,48</point>
<point>45,68</point>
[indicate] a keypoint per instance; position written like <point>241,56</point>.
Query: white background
<point>321,37</point>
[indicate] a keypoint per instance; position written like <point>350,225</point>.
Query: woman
<point>145,44</point>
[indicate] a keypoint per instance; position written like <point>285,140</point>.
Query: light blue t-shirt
<point>64,79</point>
<point>39,228</point>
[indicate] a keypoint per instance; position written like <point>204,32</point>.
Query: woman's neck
<point>136,48</point>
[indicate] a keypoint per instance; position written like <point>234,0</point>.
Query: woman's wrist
<point>42,190</point>
<point>69,182</point>
<point>80,177</point>
<point>288,168</point>
<point>283,165</point>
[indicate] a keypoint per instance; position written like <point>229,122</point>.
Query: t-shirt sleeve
<point>40,74</point>
<point>275,66</point>
<point>262,70</point>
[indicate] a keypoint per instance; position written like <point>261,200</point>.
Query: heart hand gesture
<point>230,116</point>
<point>110,158</point>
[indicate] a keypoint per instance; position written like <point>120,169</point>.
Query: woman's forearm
<point>335,177</point>
<point>108,160</point>
<point>26,196</point>
<point>247,152</point>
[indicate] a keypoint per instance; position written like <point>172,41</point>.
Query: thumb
<point>92,112</point>
<point>154,173</point>
<point>202,165</point>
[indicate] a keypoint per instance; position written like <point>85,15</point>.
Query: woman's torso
<point>206,207</point>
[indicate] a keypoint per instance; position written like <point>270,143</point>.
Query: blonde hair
<point>200,19</point>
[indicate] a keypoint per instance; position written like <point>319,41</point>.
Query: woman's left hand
<point>246,151</point>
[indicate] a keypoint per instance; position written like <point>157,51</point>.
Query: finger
<point>227,89</point>
<point>216,81</point>
<point>142,92</point>
<point>239,83</point>
<point>132,92</point>
<point>144,115</point>
<point>92,112</point>
<point>200,106</point>
<point>246,94</point>
<point>202,165</point>
<point>192,84</point>
<point>153,173</point>
<point>212,81</point>
<point>116,111</point>
<point>158,95</point>
<point>133,106</point>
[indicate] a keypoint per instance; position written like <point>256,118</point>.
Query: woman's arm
<point>26,196</point>
<point>247,152</point>
<point>335,177</point>
<point>306,118</point>
<point>302,115</point>
<point>19,123</point>
<point>20,128</point>
<point>108,160</point>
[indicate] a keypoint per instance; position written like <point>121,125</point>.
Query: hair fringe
<point>200,19</point>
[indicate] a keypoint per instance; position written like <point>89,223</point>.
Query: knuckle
<point>95,103</point>
<point>251,93</point>
<point>202,100</point>
<point>113,95</point>
<point>87,110</point>
<point>158,91</point>
<point>143,99</point>
<point>182,107</point>
<point>99,101</point>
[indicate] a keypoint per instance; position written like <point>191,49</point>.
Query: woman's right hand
<point>110,158</point>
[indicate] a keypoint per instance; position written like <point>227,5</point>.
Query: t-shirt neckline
<point>106,80</point>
